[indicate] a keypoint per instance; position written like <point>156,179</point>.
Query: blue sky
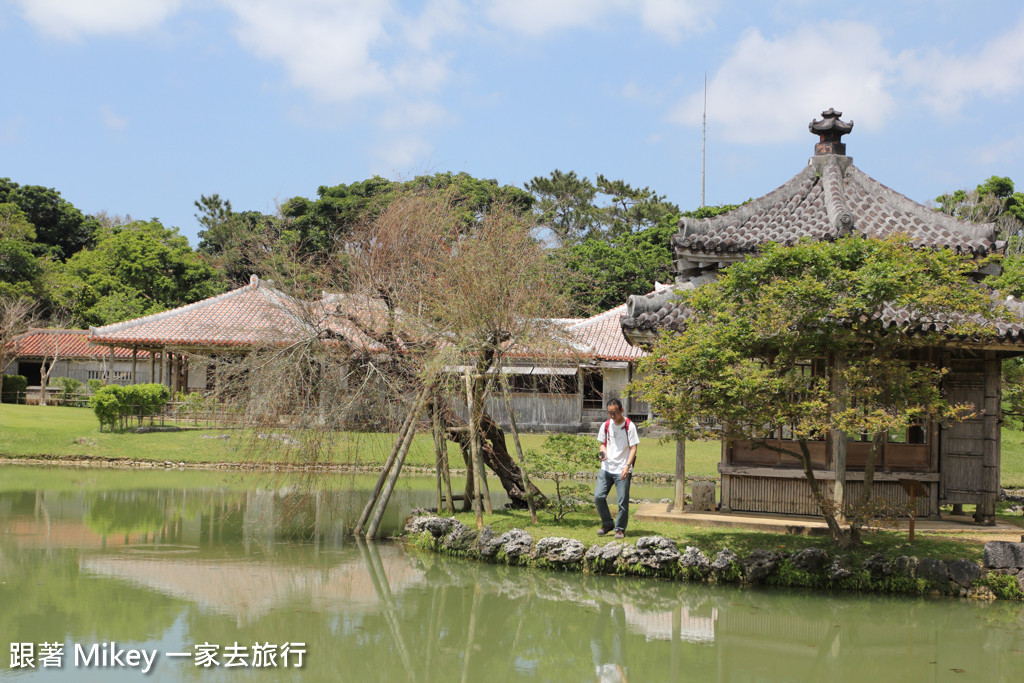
<point>139,106</point>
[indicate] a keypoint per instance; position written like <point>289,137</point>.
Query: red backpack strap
<point>607,426</point>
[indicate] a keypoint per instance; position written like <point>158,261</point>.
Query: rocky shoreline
<point>999,576</point>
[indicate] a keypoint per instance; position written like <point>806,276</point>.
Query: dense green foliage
<point>561,456</point>
<point>62,229</point>
<point>602,271</point>
<point>12,388</point>
<point>115,405</point>
<point>133,270</point>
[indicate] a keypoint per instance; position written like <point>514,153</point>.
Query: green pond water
<point>169,562</point>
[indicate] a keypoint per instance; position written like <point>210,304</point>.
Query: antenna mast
<point>703,140</point>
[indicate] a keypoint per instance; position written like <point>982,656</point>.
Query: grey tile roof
<point>828,199</point>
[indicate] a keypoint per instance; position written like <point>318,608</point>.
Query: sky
<point>138,107</point>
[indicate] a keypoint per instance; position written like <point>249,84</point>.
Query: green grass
<point>582,525</point>
<point>49,431</point>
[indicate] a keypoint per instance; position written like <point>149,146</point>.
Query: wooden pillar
<point>110,376</point>
<point>135,364</point>
<point>986,511</point>
<point>163,365</point>
<point>152,366</point>
<point>837,438</point>
<point>679,504</point>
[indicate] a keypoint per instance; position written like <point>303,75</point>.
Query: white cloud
<point>400,156</point>
<point>71,19</point>
<point>949,80</point>
<point>344,51</point>
<point>766,90</point>
<point>667,18</point>
<point>111,120</point>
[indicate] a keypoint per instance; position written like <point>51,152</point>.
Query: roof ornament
<point>254,281</point>
<point>830,130</point>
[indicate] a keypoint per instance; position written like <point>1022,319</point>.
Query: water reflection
<point>169,568</point>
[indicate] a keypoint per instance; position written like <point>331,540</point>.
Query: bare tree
<point>17,315</point>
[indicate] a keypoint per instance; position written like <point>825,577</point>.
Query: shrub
<point>563,455</point>
<point>114,404</point>
<point>12,389</point>
<point>94,385</point>
<point>69,387</point>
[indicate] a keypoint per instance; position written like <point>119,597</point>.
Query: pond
<point>172,570</point>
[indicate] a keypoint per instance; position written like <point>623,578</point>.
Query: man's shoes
<point>604,530</point>
<point>620,534</point>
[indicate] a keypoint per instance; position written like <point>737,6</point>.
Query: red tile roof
<point>69,344</point>
<point>255,314</point>
<point>601,336</point>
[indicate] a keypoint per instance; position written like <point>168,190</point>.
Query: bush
<point>94,385</point>
<point>561,457</point>
<point>117,405</point>
<point>69,388</point>
<point>12,389</point>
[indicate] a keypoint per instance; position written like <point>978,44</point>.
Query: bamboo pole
<point>441,453</point>
<point>519,449</point>
<point>399,440</point>
<point>474,452</point>
<point>396,469</point>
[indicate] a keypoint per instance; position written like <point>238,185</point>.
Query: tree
<point>20,268</point>
<point>602,273</point>
<point>565,206</point>
<point>630,209</point>
<point>17,314</point>
<point>738,369</point>
<point>133,270</point>
<point>59,225</point>
<point>235,241</point>
<point>325,225</point>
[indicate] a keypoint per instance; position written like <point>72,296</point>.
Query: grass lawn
<point>52,431</point>
<point>582,525</point>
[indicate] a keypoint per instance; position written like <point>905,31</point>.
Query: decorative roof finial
<point>830,129</point>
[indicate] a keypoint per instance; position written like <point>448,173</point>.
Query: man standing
<point>618,439</point>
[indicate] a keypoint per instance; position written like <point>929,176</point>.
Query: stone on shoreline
<point>559,550</point>
<point>760,565</point>
<point>1004,555</point>
<point>694,560</point>
<point>516,543</point>
<point>809,559</point>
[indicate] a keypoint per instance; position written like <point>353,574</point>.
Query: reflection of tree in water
<point>127,512</point>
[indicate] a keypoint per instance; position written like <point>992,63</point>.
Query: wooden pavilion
<point>830,198</point>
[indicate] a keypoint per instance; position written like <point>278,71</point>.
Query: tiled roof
<point>68,344</point>
<point>650,314</point>
<point>601,336</point>
<point>252,315</point>
<point>828,199</point>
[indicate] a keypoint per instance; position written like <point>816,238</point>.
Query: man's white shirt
<point>617,443</point>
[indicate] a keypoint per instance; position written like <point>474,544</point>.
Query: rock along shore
<point>999,576</point>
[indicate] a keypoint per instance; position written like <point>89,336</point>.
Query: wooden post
<point>152,366</point>
<point>164,371</point>
<point>135,364</point>
<point>837,438</point>
<point>368,508</point>
<point>441,454</point>
<point>110,378</point>
<point>679,504</point>
<point>986,511</point>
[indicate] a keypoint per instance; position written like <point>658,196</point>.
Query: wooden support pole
<point>837,438</point>
<point>478,439</point>
<point>986,511</point>
<point>368,508</point>
<point>441,454</point>
<point>152,366</point>
<point>679,503</point>
<point>135,364</point>
<point>396,469</point>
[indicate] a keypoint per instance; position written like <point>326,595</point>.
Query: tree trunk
<point>839,536</point>
<point>519,450</point>
<point>494,451</point>
<point>859,515</point>
<point>478,411</point>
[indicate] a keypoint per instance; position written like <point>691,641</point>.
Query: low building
<point>68,353</point>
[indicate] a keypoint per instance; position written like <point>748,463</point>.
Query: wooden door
<point>961,447</point>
